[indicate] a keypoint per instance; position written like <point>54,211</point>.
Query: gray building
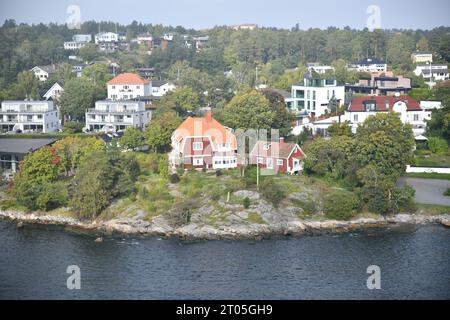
<point>12,151</point>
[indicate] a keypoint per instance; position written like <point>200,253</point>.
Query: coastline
<point>194,231</point>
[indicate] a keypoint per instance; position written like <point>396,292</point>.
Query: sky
<point>202,14</point>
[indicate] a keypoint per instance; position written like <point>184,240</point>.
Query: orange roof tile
<point>205,127</point>
<point>128,78</point>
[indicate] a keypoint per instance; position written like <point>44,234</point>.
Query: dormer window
<point>266,147</point>
<point>197,146</point>
<point>370,105</point>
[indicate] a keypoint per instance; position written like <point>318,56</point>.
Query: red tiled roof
<point>128,78</point>
<point>357,103</point>
<point>274,149</point>
<point>205,127</point>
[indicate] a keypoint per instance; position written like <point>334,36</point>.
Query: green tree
<point>89,52</point>
<point>283,118</point>
<point>383,140</point>
<point>79,95</point>
<point>27,86</point>
<point>250,110</point>
<point>340,129</point>
<point>159,132</point>
<point>181,100</point>
<point>132,138</point>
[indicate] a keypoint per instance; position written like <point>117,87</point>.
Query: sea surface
<point>414,264</point>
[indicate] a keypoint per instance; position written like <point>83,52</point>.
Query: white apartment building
<point>438,72</point>
<point>78,42</point>
<point>370,65</point>
<point>422,57</point>
<point>29,116</point>
<point>106,37</point>
<point>361,108</point>
<point>112,116</point>
<point>127,86</point>
<point>313,97</point>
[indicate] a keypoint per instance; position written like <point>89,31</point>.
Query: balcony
<point>108,111</point>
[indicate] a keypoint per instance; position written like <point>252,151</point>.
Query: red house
<point>204,143</point>
<point>278,156</point>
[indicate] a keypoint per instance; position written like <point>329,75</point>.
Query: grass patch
<point>432,209</point>
<point>424,175</point>
<point>253,217</point>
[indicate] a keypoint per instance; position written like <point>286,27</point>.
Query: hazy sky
<point>208,13</point>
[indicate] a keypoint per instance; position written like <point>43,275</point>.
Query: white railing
<point>410,169</point>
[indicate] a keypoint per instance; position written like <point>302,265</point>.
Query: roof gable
<point>382,103</point>
<point>128,78</point>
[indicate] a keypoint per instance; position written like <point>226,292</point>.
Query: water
<point>415,264</point>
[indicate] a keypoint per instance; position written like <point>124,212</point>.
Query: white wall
<point>410,169</point>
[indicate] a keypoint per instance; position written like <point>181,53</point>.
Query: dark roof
<point>22,146</point>
<point>284,93</point>
<point>158,83</point>
<point>108,137</point>
<point>357,103</point>
<point>369,61</point>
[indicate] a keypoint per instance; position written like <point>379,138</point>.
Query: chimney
<point>282,140</point>
<point>208,116</point>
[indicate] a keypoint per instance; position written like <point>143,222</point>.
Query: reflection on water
<point>415,263</point>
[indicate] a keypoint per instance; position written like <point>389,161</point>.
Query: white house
<point>78,42</point>
<point>315,96</point>
<point>168,36</point>
<point>161,87</point>
<point>370,65</point>
<point>319,68</point>
<point>55,91</point>
<point>117,115</point>
<point>106,37</point>
<point>44,72</point>
<point>128,86</point>
<point>29,116</point>
<point>438,72</point>
<point>422,57</point>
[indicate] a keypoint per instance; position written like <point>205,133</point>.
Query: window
<point>416,117</point>
<point>113,87</point>
<point>280,162</point>
<point>300,94</point>
<point>260,160</point>
<point>269,163</point>
<point>197,146</point>
<point>355,118</point>
<point>198,161</point>
<point>314,95</point>
<point>266,147</point>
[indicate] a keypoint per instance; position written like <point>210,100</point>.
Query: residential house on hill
<point>161,87</point>
<point>29,116</point>
<point>127,86</point>
<point>55,91</point>
<point>12,151</point>
<point>422,57</point>
<point>370,65</point>
<point>117,115</point>
<point>278,156</point>
<point>44,72</point>
<point>383,84</point>
<point>203,143</point>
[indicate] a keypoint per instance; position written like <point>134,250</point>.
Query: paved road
<point>428,191</point>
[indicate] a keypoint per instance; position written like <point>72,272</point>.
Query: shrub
<point>174,178</point>
<point>437,145</point>
<point>272,192</point>
<point>250,177</point>
<point>73,127</point>
<point>246,202</point>
<point>340,205</point>
<point>218,173</point>
<point>52,196</point>
<point>447,193</point>
<point>163,168</point>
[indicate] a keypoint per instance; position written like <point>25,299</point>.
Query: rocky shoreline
<point>196,231</point>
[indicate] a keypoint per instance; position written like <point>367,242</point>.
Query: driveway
<point>428,191</point>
